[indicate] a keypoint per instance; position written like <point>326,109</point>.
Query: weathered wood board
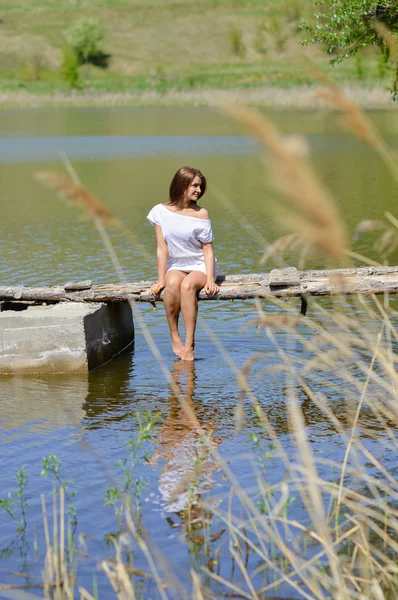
<point>363,280</point>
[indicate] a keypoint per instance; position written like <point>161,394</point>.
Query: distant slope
<point>164,44</point>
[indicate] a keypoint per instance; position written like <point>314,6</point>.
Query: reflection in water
<point>41,403</point>
<point>108,399</point>
<point>189,465</point>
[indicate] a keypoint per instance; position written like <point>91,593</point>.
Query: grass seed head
<point>354,118</point>
<point>315,213</point>
<point>77,194</point>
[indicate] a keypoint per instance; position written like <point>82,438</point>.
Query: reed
<point>351,519</point>
<point>323,528</point>
<point>355,119</point>
<point>76,194</point>
<point>315,215</point>
<point>59,574</point>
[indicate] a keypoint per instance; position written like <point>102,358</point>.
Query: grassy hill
<point>164,45</point>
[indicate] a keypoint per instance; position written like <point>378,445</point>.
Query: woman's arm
<point>162,254</point>
<point>211,288</point>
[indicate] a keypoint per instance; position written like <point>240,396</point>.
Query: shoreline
<point>296,98</point>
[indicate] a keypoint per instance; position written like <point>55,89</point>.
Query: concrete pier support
<point>63,337</point>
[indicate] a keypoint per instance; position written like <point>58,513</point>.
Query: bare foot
<point>188,354</point>
<point>178,347</point>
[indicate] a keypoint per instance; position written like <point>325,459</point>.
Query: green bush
<point>70,67</point>
<point>259,38</point>
<point>236,41</point>
<point>85,37</point>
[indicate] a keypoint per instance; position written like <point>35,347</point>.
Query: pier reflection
<point>40,403</point>
<point>109,398</point>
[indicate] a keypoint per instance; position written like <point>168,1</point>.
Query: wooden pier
<point>80,326</point>
<point>279,283</point>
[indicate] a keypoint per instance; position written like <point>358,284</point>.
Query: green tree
<point>86,38</point>
<point>346,27</point>
<point>70,67</point>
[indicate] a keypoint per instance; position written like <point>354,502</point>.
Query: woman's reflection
<point>186,445</point>
<point>109,399</point>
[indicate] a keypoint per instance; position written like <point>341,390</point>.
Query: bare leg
<point>190,286</point>
<point>172,303</point>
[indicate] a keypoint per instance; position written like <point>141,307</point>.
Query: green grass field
<point>166,45</point>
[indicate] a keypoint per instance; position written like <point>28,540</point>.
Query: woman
<point>185,256</point>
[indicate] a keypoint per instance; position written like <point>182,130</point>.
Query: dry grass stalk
<point>275,535</point>
<point>355,423</point>
<point>368,225</point>
<point>265,534</point>
<point>197,586</point>
<point>314,502</point>
<point>317,220</point>
<point>286,322</point>
<point>288,243</point>
<point>240,218</point>
<point>71,190</point>
<point>78,195</point>
<point>85,594</point>
<point>59,576</point>
<point>323,406</point>
<point>116,222</point>
<point>356,120</point>
<point>345,348</point>
<point>363,259</point>
<point>387,242</point>
<point>148,553</point>
<point>339,581</point>
<point>245,389</point>
<point>119,579</point>
<point>354,117</point>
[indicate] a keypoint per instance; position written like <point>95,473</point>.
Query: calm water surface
<point>127,158</point>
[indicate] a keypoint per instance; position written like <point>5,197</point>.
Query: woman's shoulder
<point>203,213</point>
<point>198,212</point>
<point>157,208</point>
<point>155,214</point>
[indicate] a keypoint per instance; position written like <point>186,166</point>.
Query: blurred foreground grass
<point>327,525</point>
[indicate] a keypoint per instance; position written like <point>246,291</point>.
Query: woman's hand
<point>157,287</point>
<point>211,288</point>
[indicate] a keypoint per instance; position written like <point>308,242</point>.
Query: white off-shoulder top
<point>184,236</point>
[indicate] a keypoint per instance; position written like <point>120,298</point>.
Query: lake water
<point>127,157</point>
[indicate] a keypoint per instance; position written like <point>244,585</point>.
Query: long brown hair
<point>181,182</point>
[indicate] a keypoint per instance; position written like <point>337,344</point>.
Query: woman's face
<point>193,192</point>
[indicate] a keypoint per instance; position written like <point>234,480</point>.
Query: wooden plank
<point>284,277</point>
<point>363,280</point>
<point>75,286</point>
